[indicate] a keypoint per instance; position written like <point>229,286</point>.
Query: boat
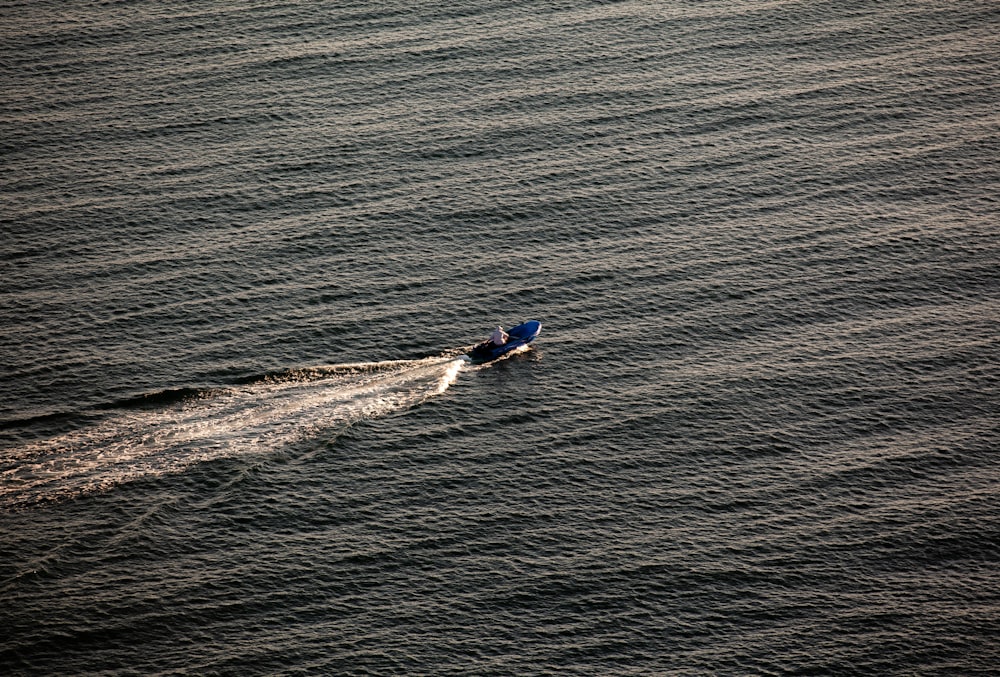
<point>518,336</point>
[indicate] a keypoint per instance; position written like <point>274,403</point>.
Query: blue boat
<point>518,336</point>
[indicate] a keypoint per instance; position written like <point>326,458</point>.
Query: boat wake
<point>263,416</point>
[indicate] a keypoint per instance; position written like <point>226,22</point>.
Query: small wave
<point>162,398</point>
<point>165,432</point>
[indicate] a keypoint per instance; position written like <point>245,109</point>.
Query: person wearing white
<point>499,336</point>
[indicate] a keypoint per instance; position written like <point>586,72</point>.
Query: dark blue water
<point>244,247</point>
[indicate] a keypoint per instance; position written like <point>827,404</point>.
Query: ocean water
<point>243,247</point>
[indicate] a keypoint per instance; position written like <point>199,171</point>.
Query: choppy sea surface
<point>244,246</point>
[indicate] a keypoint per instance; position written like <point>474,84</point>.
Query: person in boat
<point>499,336</point>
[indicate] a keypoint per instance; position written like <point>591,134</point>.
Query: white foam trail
<point>258,418</point>
<point>450,374</point>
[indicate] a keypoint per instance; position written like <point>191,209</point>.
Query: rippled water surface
<point>245,246</point>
